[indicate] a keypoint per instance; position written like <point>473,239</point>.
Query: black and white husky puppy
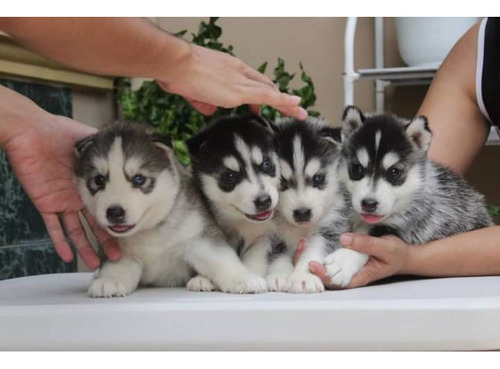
<point>396,190</point>
<point>236,170</point>
<point>131,182</point>
<point>313,205</point>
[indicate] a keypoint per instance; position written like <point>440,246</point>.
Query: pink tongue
<point>263,215</point>
<point>371,219</point>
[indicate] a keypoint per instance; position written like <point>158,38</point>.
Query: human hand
<point>209,78</point>
<point>41,154</point>
<point>388,256</point>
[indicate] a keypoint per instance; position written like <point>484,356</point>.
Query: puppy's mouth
<point>121,228</point>
<point>260,217</point>
<point>371,218</point>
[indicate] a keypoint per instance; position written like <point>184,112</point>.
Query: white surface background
<point>53,312</point>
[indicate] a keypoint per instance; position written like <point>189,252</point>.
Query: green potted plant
<point>174,116</point>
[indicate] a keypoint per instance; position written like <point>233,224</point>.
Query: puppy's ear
<point>352,119</point>
<point>83,145</point>
<point>332,135</point>
<point>163,142</point>
<point>265,123</point>
<point>419,133</point>
<point>195,144</point>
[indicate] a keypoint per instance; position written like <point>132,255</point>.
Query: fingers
<point>77,234</point>
<point>107,242</point>
<point>361,278</point>
<point>320,271</point>
<point>255,75</point>
<point>57,236</point>
<point>299,251</point>
<point>255,109</point>
<point>203,108</point>
<point>365,244</point>
<point>293,111</point>
<point>259,95</point>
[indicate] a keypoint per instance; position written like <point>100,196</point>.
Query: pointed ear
<point>419,133</point>
<point>83,145</point>
<point>196,143</point>
<point>352,119</point>
<point>266,123</point>
<point>332,135</point>
<point>163,142</point>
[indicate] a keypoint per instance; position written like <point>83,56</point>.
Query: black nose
<point>263,202</point>
<point>369,205</point>
<point>115,214</point>
<point>302,215</point>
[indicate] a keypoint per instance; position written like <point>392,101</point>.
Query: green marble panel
<point>25,248</point>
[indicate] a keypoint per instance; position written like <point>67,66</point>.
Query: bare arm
<point>452,109</point>
<point>134,47</point>
<point>474,253</point>
<point>459,132</point>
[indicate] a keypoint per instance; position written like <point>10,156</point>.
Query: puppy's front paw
<point>247,283</point>
<point>107,288</point>
<point>276,282</point>
<point>304,283</point>
<point>200,284</point>
<point>342,264</point>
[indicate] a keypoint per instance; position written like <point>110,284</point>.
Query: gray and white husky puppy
<point>396,190</point>
<point>313,205</point>
<point>236,170</point>
<point>131,182</point>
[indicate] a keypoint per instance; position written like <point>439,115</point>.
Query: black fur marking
<point>314,146</point>
<point>137,142</point>
<point>393,139</point>
<point>214,143</point>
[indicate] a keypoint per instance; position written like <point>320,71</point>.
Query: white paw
<point>107,288</point>
<point>343,264</point>
<point>247,283</point>
<point>277,282</point>
<point>304,283</point>
<point>200,284</point>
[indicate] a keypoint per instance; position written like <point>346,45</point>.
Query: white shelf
<point>53,312</point>
<point>400,74</point>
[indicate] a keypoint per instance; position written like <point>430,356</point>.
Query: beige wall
<point>316,42</point>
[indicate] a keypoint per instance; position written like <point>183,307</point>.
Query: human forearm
<point>466,254</point>
<point>110,46</point>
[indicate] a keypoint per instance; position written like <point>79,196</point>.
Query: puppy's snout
<point>115,214</point>
<point>263,202</point>
<point>302,215</point>
<point>369,205</point>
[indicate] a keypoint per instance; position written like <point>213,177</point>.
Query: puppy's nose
<point>263,202</point>
<point>115,214</point>
<point>302,215</point>
<point>369,205</point>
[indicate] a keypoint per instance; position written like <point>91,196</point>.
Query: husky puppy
<point>131,182</point>
<point>396,190</point>
<point>313,205</point>
<point>236,170</point>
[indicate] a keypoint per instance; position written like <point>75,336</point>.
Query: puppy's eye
<point>356,171</point>
<point>100,181</point>
<point>394,173</point>
<point>283,184</point>
<point>138,180</point>
<point>266,166</point>
<point>229,177</point>
<point>318,179</point>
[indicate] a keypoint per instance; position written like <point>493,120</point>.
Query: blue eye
<point>138,180</point>
<point>318,179</point>
<point>266,166</point>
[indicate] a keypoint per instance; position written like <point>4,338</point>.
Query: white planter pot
<point>427,41</point>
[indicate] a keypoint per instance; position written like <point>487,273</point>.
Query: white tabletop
<point>53,312</point>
